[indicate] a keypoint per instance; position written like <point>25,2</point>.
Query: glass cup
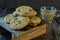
<point>48,13</point>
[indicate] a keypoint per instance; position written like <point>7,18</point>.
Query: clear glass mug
<point>48,13</point>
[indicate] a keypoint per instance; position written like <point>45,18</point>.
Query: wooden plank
<point>33,29</point>
<point>33,34</point>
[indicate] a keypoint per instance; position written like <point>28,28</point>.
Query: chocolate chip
<point>8,23</point>
<point>16,19</point>
<point>25,13</point>
<point>16,15</point>
<point>19,10</point>
<point>16,24</point>
<point>30,10</point>
<point>19,22</point>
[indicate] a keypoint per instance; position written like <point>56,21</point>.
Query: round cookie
<point>8,18</point>
<point>34,20</point>
<point>26,11</point>
<point>20,22</point>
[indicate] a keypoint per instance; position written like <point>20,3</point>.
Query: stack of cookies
<point>23,16</point>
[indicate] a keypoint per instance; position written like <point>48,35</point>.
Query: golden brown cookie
<point>20,22</point>
<point>34,20</point>
<point>8,18</point>
<point>26,11</point>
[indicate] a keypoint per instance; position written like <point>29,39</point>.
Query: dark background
<point>8,6</point>
<point>36,4</point>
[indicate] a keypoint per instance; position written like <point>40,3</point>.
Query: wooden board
<point>32,33</point>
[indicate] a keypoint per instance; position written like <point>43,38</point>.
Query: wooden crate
<point>31,33</point>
